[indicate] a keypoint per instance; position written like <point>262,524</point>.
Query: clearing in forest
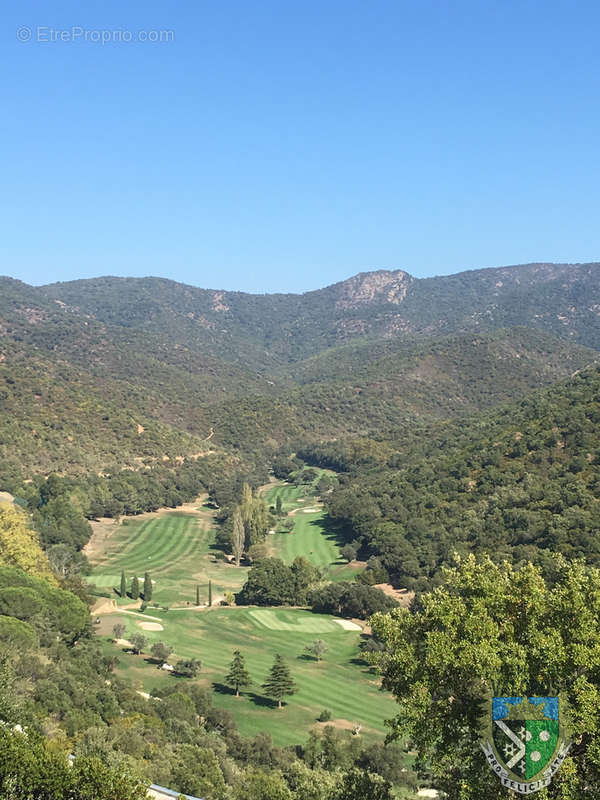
<point>313,535</point>
<point>341,682</point>
<point>176,548</point>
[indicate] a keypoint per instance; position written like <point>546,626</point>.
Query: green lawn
<point>176,549</point>
<point>312,536</point>
<point>341,682</point>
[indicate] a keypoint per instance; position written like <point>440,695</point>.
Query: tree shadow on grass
<point>222,688</point>
<point>358,661</point>
<point>330,531</point>
<point>261,700</point>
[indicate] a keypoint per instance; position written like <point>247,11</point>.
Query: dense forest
<point>517,483</point>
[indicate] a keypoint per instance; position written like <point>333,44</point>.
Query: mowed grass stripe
<point>121,542</point>
<point>167,547</point>
<point>172,546</point>
<point>128,545</point>
<point>167,541</point>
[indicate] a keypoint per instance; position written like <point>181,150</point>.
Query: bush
<point>350,599</point>
<point>324,716</point>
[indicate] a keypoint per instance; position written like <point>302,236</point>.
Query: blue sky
<point>282,146</point>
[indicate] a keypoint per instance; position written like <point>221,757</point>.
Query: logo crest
<point>526,747</point>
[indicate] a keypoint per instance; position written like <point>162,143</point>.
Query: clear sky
<point>285,145</point>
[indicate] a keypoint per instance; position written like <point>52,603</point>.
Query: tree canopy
<point>494,629</point>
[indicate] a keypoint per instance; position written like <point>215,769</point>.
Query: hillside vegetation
<point>517,483</point>
<point>120,372</point>
<point>266,329</point>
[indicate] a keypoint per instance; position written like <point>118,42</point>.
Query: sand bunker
<point>150,626</point>
<point>309,510</point>
<point>347,625</point>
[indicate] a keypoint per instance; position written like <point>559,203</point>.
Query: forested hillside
<point>461,415</point>
<point>516,483</point>
<point>125,372</point>
<point>266,329</point>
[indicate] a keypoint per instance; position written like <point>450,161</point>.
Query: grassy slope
<point>176,549</point>
<point>341,682</point>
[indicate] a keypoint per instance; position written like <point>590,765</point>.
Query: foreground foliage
<point>487,630</point>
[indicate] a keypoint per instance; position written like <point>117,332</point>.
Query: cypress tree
<point>210,593</point>
<point>123,589</point>
<point>238,536</point>
<point>135,588</point>
<point>147,588</point>
<point>278,505</point>
<point>279,682</point>
<point>197,595</point>
<point>238,676</point>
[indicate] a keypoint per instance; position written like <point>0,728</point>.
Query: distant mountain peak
<point>389,286</point>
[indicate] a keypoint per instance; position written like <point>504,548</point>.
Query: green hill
<point>117,371</point>
<point>516,483</point>
<point>264,330</point>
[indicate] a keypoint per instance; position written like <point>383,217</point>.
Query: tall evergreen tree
<point>147,587</point>
<point>123,589</point>
<point>238,676</point>
<point>279,681</point>
<point>135,588</point>
<point>197,595</point>
<point>210,593</point>
<point>278,505</point>
<point>255,517</point>
<point>238,536</point>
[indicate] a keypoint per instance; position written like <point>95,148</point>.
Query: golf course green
<point>341,682</point>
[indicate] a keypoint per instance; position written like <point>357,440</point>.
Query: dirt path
<point>403,596</point>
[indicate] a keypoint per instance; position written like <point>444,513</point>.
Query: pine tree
<point>147,588</point>
<point>238,676</point>
<point>135,588</point>
<point>210,593</point>
<point>197,595</point>
<point>123,589</point>
<point>238,536</point>
<point>278,505</point>
<point>279,682</point>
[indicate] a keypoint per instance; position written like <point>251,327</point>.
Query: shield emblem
<point>526,747</point>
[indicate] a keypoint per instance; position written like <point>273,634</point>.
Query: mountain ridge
<point>84,363</point>
<point>561,298</point>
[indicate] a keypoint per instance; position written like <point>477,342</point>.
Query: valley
<point>367,452</point>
